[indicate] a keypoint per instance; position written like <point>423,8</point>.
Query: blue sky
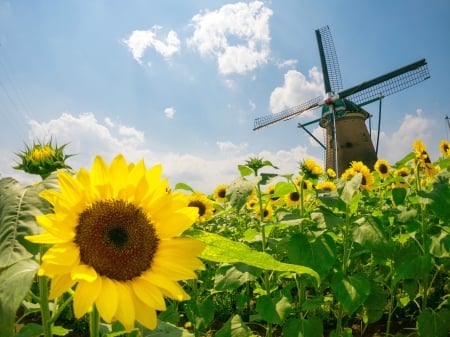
<point>181,82</point>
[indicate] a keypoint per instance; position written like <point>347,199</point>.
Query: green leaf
<point>200,314</point>
<point>234,327</point>
<point>231,277</point>
<point>399,195</point>
<point>351,188</point>
<point>434,324</point>
<point>15,282</point>
<point>351,291</point>
<point>440,196</point>
<point>244,170</point>
<point>29,330</point>
<point>318,255</point>
<point>306,327</point>
<point>375,304</point>
<point>183,186</point>
<point>273,310</point>
<point>412,266</point>
<point>221,249</point>
<point>369,235</point>
<point>239,190</point>
<point>19,206</point>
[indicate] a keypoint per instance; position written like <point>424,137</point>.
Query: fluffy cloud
<point>296,89</point>
<point>169,112</point>
<point>414,126</point>
<point>140,40</point>
<point>237,35</point>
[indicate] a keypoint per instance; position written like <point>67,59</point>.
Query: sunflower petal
<point>70,188</point>
<point>85,295</point>
<point>148,293</point>
<point>59,285</point>
<point>125,309</point>
<point>107,300</point>
<point>44,238</point>
<point>64,254</point>
<point>169,288</point>
<point>84,272</point>
<point>145,315</point>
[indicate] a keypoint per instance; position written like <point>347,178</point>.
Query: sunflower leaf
<point>15,281</point>
<point>19,206</point>
<point>223,250</point>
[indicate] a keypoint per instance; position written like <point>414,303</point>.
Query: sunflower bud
<point>43,159</point>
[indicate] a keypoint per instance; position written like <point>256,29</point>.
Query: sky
<point>180,82</point>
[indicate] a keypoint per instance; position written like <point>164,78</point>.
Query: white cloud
<point>237,35</point>
<point>287,63</point>
<point>231,147</point>
<point>140,40</point>
<point>296,90</point>
<point>169,112</point>
<point>393,147</point>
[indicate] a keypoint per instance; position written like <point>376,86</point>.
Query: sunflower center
<point>222,193</point>
<point>201,207</point>
<point>117,239</point>
<point>295,196</point>
<point>383,169</point>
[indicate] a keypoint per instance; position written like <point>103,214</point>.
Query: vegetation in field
<point>117,251</point>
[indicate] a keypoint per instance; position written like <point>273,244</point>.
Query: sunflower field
<point>115,250</point>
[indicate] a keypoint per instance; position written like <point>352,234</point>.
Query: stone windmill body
<point>347,137</point>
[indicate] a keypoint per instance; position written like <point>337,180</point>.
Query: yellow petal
<point>84,272</point>
<point>148,293</point>
<point>169,288</point>
<point>118,170</point>
<point>145,315</point>
<point>70,188</point>
<point>125,309</point>
<point>170,224</point>
<point>85,295</point>
<point>64,254</point>
<point>44,238</point>
<point>51,269</point>
<point>107,300</point>
<point>59,285</point>
<point>51,224</point>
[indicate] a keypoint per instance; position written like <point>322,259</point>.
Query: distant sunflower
<point>331,174</point>
<point>424,159</point>
<point>310,168</point>
<point>266,213</point>
<point>403,172</point>
<point>444,147</point>
<point>203,204</point>
<point>303,183</point>
<point>270,191</point>
<point>115,235</point>
<point>383,168</point>
<point>326,186</point>
<point>220,193</point>
<point>348,174</point>
<point>367,180</point>
<point>251,202</point>
<point>293,198</point>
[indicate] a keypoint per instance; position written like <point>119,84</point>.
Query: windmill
<point>343,118</point>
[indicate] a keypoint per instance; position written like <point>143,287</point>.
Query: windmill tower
<point>343,118</point>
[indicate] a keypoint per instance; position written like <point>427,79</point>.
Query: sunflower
<point>270,191</point>
<point>348,174</point>
<point>326,186</point>
<point>331,174</point>
<point>220,193</point>
<point>444,147</point>
<point>424,159</point>
<point>203,204</point>
<point>303,183</point>
<point>43,159</point>
<point>403,172</point>
<point>367,180</point>
<point>115,236</point>
<point>266,212</point>
<point>252,201</point>
<point>310,168</point>
<point>293,198</point>
<point>383,168</point>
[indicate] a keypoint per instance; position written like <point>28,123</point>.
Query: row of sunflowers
<point>117,251</point>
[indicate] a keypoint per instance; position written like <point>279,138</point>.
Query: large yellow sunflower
<point>383,168</point>
<point>115,235</point>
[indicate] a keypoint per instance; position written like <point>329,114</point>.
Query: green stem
<point>47,325</point>
<point>94,323</point>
